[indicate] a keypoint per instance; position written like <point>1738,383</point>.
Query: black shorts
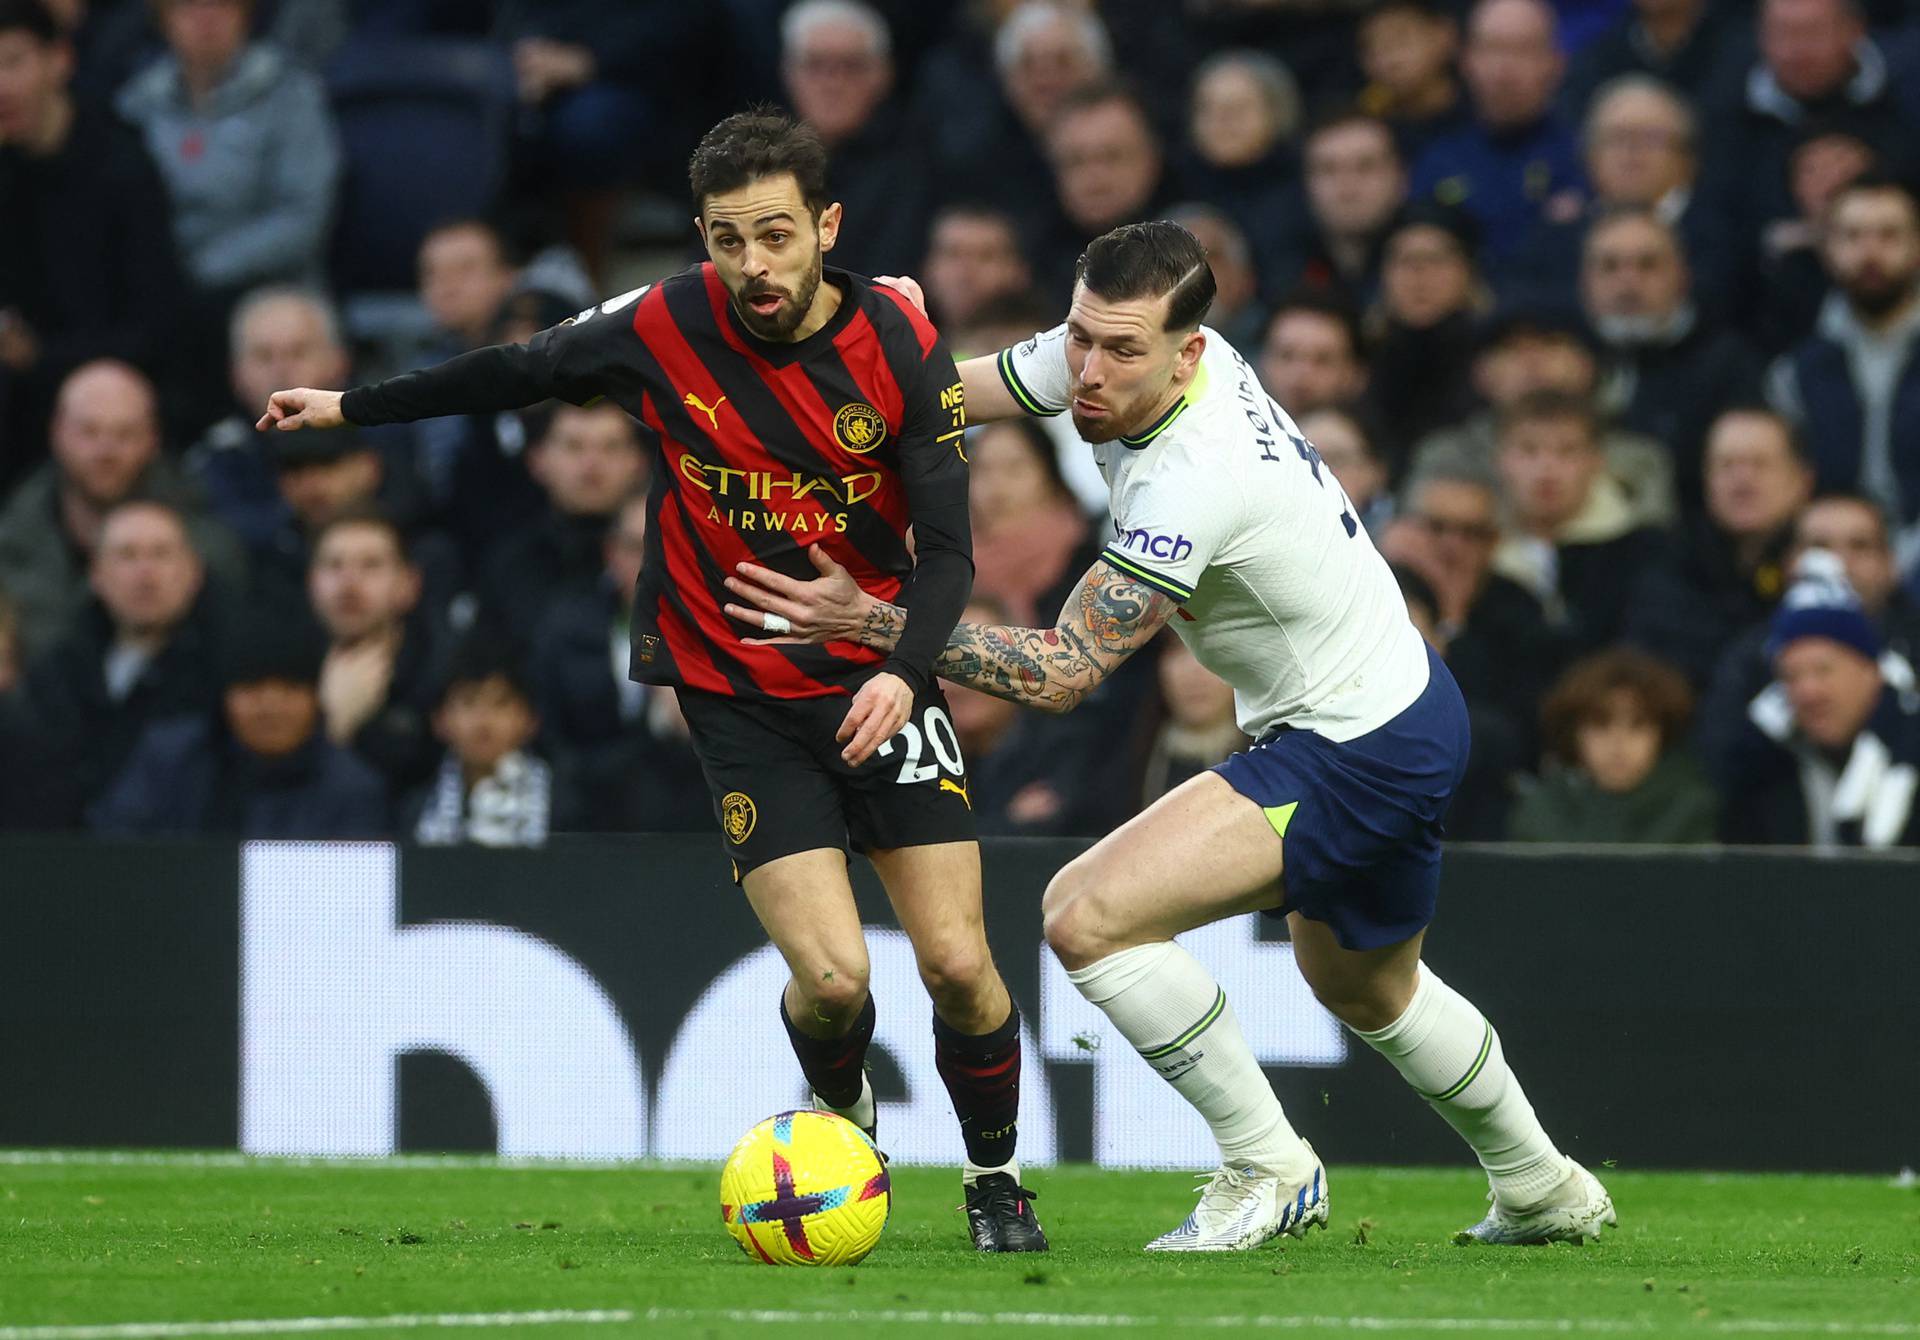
<point>780,786</point>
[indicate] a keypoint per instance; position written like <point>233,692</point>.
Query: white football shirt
<point>1224,506</point>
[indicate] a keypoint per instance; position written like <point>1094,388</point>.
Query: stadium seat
<point>426,125</point>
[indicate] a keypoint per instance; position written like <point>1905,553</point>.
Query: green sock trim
<point>1206,1022</point>
<point>1473,1071</point>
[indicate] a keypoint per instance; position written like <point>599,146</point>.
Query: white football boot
<point>1241,1208</point>
<point>1576,1210</point>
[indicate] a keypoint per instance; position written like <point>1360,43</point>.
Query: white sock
<point>971,1172</point>
<point>1449,1053</point>
<point>861,1113</point>
<point>1177,1017</point>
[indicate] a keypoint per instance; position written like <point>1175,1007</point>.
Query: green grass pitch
<point>97,1249</point>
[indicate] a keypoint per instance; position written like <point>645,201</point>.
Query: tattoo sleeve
<point>1106,620</point>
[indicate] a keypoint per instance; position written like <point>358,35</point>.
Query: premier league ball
<point>805,1189</point>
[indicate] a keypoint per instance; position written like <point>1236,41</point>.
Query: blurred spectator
<point>1684,43</point>
<point>1667,366</point>
<point>990,142</point>
<point>1788,280</point>
<point>377,683</point>
<point>490,492</point>
<point>1574,541</point>
<point>605,88</point>
<point>281,337</point>
<point>1490,632</point>
<point>1853,528</point>
<point>973,255</point>
<point>1478,811</point>
<point>588,461</point>
<point>1236,312</point>
<point>1522,354</point>
<point>1851,386</point>
<point>1107,170</point>
<point>263,769</point>
<point>321,476</point>
<point>1816,59</point>
<point>1722,571</point>
<point>1027,772</point>
<point>146,647</point>
<point>1341,436</point>
<point>622,743</point>
<point>1356,185</point>
<point>1516,162</point>
<point>1430,298</point>
<point>1832,752</point>
<point>1196,728</point>
<point>1407,50</point>
<point>106,449</point>
<point>1031,542</point>
<point>1640,146</point>
<point>837,61</point>
<point>247,145</point>
<point>465,275</point>
<point>1311,357</point>
<point>1493,632</point>
<point>1244,120</point>
<point>87,266</point>
<point>1616,767</point>
<point>490,789</point>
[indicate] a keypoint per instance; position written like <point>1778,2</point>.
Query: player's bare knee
<point>955,974</point>
<point>834,993</point>
<point>1076,931</point>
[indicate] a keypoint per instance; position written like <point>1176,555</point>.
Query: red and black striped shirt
<point>844,439</point>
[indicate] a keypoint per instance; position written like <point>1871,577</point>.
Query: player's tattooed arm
<point>1106,620</point>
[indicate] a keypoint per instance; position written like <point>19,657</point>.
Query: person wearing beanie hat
<point>264,768</point>
<point>1832,756</point>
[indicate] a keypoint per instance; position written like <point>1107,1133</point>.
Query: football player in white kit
<point>1230,528</point>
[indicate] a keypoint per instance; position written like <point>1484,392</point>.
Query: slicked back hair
<point>748,146</point>
<point>1145,260</point>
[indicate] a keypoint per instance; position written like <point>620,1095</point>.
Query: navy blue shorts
<point>1361,820</point>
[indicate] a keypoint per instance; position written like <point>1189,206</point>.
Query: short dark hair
<point>1319,302</point>
<point>364,514</point>
<point>482,656</point>
<point>1334,118</point>
<point>1145,260</point>
<point>1100,92</point>
<point>1581,695</point>
<point>32,18</point>
<point>1760,409</point>
<point>748,146</point>
<point>1854,498</point>
<point>460,223</point>
<point>1877,183</point>
<point>1551,407</point>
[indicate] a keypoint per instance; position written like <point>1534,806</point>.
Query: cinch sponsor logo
<point>1173,548</point>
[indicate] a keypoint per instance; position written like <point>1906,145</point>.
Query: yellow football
<point>805,1189</point>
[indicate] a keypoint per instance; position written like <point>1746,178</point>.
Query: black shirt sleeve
<point>933,469</point>
<point>573,361</point>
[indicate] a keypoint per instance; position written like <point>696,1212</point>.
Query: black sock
<point>982,1074</point>
<point>833,1065</point>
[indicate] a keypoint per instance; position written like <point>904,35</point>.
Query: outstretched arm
<point>988,396</point>
<point>1111,616</point>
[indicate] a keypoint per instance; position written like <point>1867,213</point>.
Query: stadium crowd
<point>1603,312</point>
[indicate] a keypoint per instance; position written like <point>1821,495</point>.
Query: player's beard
<point>793,309</point>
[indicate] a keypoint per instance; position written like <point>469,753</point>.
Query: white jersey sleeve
<point>1167,532</point>
<point>1035,372</point>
